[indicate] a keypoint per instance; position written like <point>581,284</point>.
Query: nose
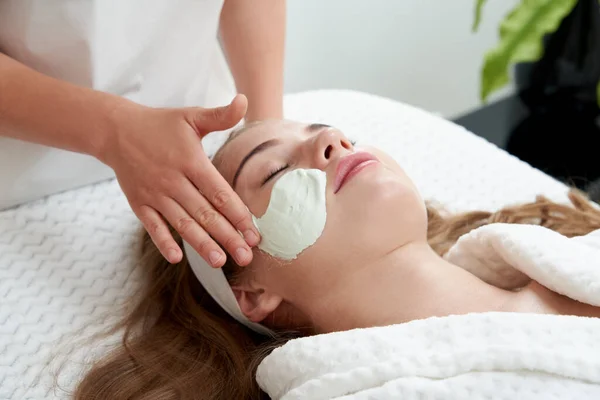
<point>329,145</point>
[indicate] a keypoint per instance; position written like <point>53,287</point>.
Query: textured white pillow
<point>30,171</point>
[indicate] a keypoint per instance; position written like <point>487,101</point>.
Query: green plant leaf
<point>521,34</point>
<point>477,19</point>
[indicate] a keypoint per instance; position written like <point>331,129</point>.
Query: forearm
<point>253,37</point>
<point>44,110</point>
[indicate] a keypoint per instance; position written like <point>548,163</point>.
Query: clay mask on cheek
<point>295,217</point>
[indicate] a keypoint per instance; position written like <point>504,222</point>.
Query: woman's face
<point>374,212</point>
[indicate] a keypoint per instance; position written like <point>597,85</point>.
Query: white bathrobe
<point>475,356</point>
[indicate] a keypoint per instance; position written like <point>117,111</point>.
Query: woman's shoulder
<point>537,299</point>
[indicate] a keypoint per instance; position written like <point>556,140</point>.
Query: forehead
<point>242,142</point>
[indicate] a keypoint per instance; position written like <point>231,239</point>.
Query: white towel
<point>474,356</point>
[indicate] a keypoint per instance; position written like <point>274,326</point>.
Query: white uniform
<point>154,52</point>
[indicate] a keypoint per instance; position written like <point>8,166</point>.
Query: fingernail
<point>251,237</point>
<point>241,254</point>
<point>173,256</point>
<point>214,257</point>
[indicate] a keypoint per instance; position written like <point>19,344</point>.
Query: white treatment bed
<point>65,261</point>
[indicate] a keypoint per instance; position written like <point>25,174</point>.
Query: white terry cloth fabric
<point>65,260</point>
<point>509,256</point>
<point>475,356</point>
<point>501,356</point>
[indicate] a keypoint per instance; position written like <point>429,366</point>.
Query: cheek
<point>258,202</point>
<point>296,215</point>
<point>301,277</point>
<point>266,269</point>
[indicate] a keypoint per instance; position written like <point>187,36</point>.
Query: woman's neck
<point>411,282</point>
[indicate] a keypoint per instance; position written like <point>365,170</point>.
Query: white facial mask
<point>296,215</point>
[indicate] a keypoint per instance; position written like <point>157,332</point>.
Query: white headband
<point>214,282</point>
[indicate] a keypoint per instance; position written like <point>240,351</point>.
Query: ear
<point>256,303</point>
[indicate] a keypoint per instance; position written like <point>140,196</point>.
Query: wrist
<point>119,114</point>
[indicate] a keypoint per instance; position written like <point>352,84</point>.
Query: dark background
<point>553,120</point>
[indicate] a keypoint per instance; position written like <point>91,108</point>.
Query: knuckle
<point>217,113</point>
<point>233,243</point>
<point>169,185</point>
<point>191,166</point>
<point>242,221</point>
<point>184,225</point>
<point>154,228</point>
<point>204,246</point>
<point>163,244</point>
<point>161,182</point>
<point>221,198</point>
<point>206,217</point>
<point>196,172</point>
<point>148,196</point>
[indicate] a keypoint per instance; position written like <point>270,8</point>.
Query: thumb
<point>207,120</point>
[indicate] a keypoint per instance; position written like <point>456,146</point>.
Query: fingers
<point>223,198</point>
<point>206,120</point>
<point>213,222</point>
<point>192,233</point>
<point>160,234</point>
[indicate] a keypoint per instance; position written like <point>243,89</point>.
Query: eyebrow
<point>261,147</point>
<point>316,127</point>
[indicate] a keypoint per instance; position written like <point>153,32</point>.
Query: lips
<point>351,165</point>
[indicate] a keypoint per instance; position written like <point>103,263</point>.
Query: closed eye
<point>276,171</point>
<point>273,173</point>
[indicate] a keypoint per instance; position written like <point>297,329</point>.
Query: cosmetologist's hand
<point>161,166</point>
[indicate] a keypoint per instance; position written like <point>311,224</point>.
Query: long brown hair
<point>179,344</point>
<point>579,218</point>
